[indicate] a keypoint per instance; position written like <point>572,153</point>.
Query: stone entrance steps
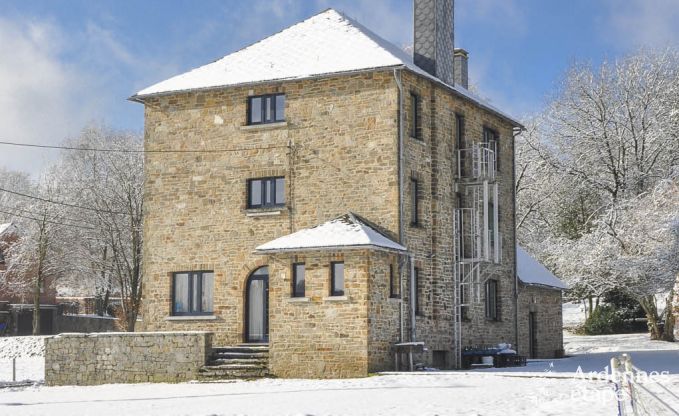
<point>245,361</point>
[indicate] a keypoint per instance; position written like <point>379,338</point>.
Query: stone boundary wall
<point>85,323</point>
<point>125,357</point>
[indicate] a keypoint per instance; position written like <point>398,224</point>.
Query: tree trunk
<point>36,303</point>
<point>668,330</point>
<point>651,310</point>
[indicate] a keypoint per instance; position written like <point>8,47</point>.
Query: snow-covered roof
<point>7,227</point>
<point>348,231</point>
<point>531,272</point>
<point>327,43</point>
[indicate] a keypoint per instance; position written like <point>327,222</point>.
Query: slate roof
<point>327,43</point>
<point>348,231</point>
<point>531,272</point>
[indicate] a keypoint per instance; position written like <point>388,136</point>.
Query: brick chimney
<point>461,63</point>
<point>433,49</point>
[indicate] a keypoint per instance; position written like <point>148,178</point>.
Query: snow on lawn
<point>403,394</point>
<point>583,344</point>
<point>573,314</point>
<point>29,354</point>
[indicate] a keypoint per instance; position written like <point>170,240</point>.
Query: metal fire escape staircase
<point>477,241</point>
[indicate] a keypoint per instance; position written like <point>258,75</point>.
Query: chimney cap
<point>461,52</point>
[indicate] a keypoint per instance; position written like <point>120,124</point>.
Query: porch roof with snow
<point>348,231</point>
<point>325,44</point>
<point>532,272</point>
<point>8,227</point>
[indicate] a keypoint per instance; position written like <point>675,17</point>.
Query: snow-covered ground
<point>402,394</point>
<point>573,314</point>
<point>28,353</point>
<point>585,344</point>
<point>553,387</point>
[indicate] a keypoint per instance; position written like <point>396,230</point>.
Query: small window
<point>490,139</point>
<point>393,282</point>
<point>460,142</point>
<point>418,293</point>
<point>266,109</point>
<point>298,280</point>
<point>414,202</point>
<point>266,192</point>
<point>491,300</point>
<point>337,279</point>
<point>415,131</point>
<point>192,293</point>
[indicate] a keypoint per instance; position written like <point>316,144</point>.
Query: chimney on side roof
<point>433,26</point>
<point>461,63</point>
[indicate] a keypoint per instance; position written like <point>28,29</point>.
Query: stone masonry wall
<point>383,312</point>
<point>432,159</point>
<point>342,157</point>
<point>319,336</point>
<point>547,305</point>
<point>90,359</point>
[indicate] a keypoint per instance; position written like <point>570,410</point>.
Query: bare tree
<point>111,183</point>
<point>587,174</point>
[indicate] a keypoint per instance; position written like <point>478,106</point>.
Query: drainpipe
<point>413,333</point>
<point>401,233</point>
<point>515,132</point>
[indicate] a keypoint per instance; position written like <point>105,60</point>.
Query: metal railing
<point>477,162</point>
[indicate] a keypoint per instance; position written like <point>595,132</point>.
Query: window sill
<point>191,318</point>
<point>418,140</point>
<point>395,298</point>
<point>264,126</point>
<point>264,212</point>
<point>336,299</point>
<point>298,300</point>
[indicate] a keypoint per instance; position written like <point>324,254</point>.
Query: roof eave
<point>452,89</point>
<point>141,97</point>
<point>544,286</point>
<point>331,248</point>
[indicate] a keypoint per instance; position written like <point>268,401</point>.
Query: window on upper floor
<point>263,109</point>
<point>337,278</point>
<point>490,139</point>
<point>192,293</point>
<point>491,300</point>
<point>414,202</point>
<point>418,293</point>
<point>393,282</point>
<point>460,143</point>
<point>266,192</point>
<point>298,280</point>
<point>415,130</point>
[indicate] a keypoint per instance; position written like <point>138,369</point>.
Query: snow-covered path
<point>402,394</point>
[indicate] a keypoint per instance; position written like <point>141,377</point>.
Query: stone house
<point>325,193</point>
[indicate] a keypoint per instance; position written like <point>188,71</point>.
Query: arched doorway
<point>257,306</point>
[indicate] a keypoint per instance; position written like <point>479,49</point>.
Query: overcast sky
<point>64,63</point>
